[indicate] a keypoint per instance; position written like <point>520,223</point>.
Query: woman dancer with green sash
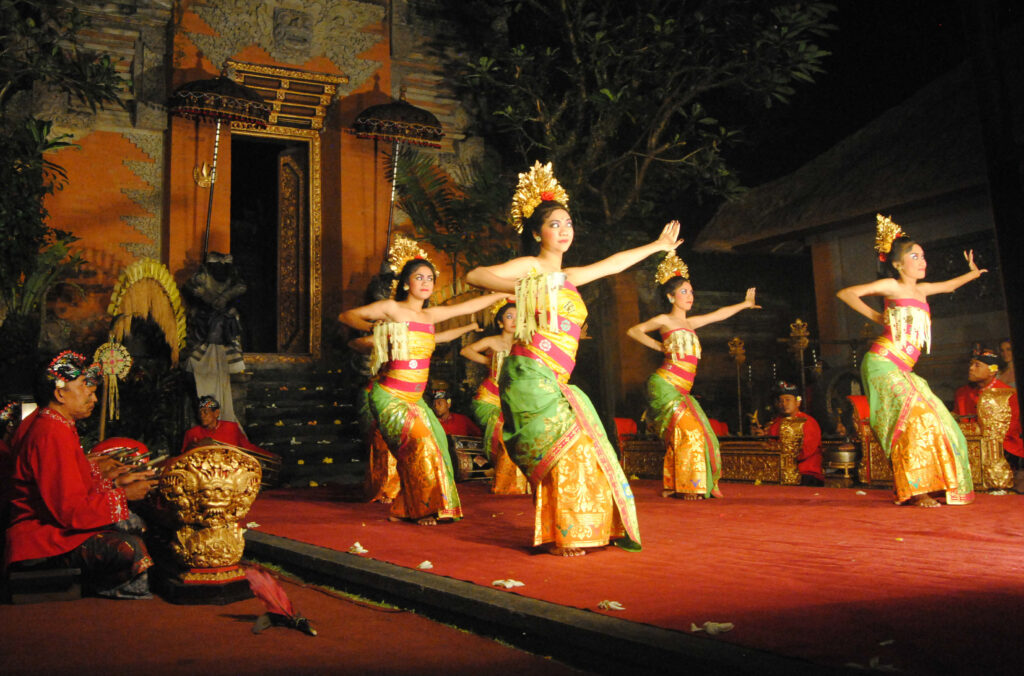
<point>927,449</point>
<point>552,432</point>
<point>693,463</point>
<point>403,341</point>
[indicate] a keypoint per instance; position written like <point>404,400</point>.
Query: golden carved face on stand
<point>209,489</point>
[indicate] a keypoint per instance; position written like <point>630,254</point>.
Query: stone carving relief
<point>335,30</point>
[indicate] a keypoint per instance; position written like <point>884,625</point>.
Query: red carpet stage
<point>833,576</point>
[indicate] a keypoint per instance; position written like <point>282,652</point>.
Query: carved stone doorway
<point>273,233</point>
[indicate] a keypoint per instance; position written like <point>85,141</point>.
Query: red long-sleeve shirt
<point>809,460</point>
<point>966,404</point>
<point>59,498</point>
<point>226,432</point>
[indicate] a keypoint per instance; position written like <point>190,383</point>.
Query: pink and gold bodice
<point>908,329</point>
<point>682,352</point>
<point>407,377</point>
<point>556,337</point>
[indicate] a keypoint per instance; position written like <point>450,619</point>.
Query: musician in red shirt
<point>982,375</point>
<point>787,403</point>
<point>453,423</point>
<point>212,427</point>
<point>64,511</point>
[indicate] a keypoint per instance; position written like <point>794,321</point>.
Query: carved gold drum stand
<point>203,494</point>
<point>994,418</point>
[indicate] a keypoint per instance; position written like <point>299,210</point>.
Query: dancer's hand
<point>749,300</point>
<point>969,256</point>
<point>669,238</point>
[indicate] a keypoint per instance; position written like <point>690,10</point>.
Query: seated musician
<point>212,427</point>
<point>981,375</point>
<point>787,404</point>
<point>453,423</point>
<point>65,513</point>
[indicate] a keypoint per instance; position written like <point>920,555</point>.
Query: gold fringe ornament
<point>390,343</point>
<point>671,266</point>
<point>146,289</point>
<point>401,252</point>
<point>537,303</point>
<point>680,344</point>
<point>535,186</point>
<point>910,325</point>
<point>885,232</point>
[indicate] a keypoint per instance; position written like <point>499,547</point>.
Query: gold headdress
<point>535,186</point>
<point>885,232</point>
<point>671,266</point>
<point>401,252</point>
<point>492,312</point>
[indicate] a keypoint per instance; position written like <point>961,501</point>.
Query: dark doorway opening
<point>269,241</point>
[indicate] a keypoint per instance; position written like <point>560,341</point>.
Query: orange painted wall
<point>93,206</point>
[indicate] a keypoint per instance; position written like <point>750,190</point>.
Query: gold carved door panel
<point>293,286</point>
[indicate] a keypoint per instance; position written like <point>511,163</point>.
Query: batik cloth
<point>693,462</point>
<point>413,434</point>
<point>508,478</point>
<point>927,449</point>
<point>553,433</point>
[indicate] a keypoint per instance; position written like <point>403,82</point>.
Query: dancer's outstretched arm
<point>440,313</point>
<point>638,332</point>
<point>667,241</point>
<point>477,351</point>
<point>449,335</point>
<point>363,317</point>
<point>725,312</point>
<point>853,296</point>
<point>503,276</point>
<point>929,288</point>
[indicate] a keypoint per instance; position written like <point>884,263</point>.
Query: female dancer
<point>693,464</point>
<point>552,432</point>
<point>403,343</point>
<point>491,351</point>
<point>927,449</point>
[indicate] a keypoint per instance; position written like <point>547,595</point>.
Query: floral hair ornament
<point>492,312</point>
<point>207,401</point>
<point>401,252</point>
<point>885,232</point>
<point>67,366</point>
<point>671,266</point>
<point>535,186</point>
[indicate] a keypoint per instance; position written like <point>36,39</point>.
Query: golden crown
<point>885,232</point>
<point>401,252</point>
<point>492,312</point>
<point>535,186</point>
<point>671,266</point>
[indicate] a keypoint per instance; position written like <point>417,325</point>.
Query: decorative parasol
<point>215,100</point>
<point>116,363</point>
<point>399,122</point>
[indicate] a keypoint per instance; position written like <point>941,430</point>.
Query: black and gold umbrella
<point>216,100</point>
<point>398,122</point>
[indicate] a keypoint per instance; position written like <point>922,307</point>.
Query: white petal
<point>252,524</point>
<point>426,565</point>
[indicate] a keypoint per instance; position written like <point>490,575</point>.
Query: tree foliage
<point>39,51</point>
<point>633,101</point>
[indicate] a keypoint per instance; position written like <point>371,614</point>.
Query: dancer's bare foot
<point>427,521</point>
<point>667,493</point>
<point>717,494</point>
<point>385,500</point>
<point>925,501</point>
<point>566,551</point>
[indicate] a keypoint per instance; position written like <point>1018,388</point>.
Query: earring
<point>405,287</point>
<point>536,237</point>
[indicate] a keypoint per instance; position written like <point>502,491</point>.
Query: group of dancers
<point>543,434</point>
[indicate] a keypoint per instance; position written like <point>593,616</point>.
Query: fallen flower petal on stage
<point>252,524</point>
<point>357,549</point>
<point>713,628</point>
<point>426,565</point>
<point>508,584</point>
<point>610,605</point>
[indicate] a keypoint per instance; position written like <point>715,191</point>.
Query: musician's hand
<point>109,468</point>
<point>139,489</point>
<point>132,477</point>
